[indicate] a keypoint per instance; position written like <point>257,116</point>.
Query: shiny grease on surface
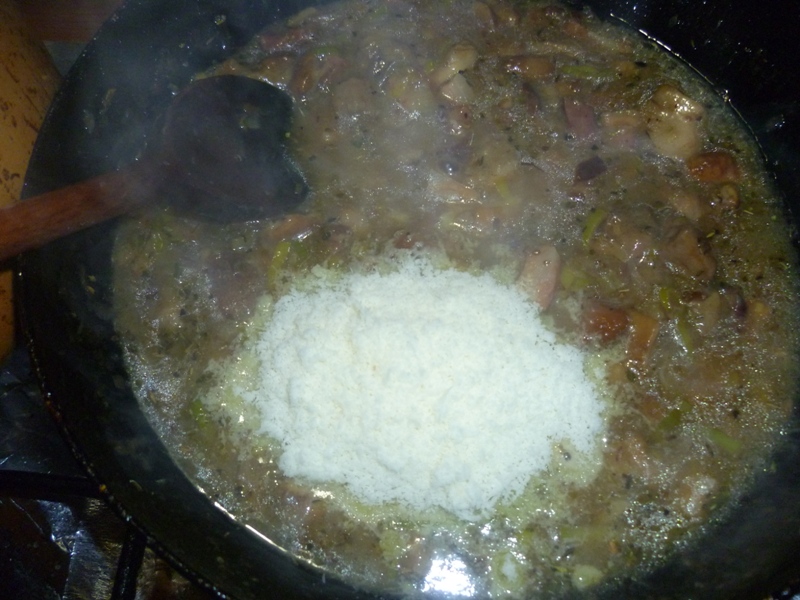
<point>352,224</point>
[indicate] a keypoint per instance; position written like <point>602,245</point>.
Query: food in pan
<point>533,329</point>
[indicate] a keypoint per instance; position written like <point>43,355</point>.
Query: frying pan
<point>106,114</point>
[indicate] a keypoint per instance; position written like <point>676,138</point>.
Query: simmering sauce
<point>564,160</point>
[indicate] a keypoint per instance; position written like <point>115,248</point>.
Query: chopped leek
<point>593,221</point>
<point>723,441</point>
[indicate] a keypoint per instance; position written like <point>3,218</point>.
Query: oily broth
<point>683,290</point>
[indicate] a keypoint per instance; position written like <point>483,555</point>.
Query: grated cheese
<point>421,386</point>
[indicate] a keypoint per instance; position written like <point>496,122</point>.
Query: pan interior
<point>120,445</point>
<point>575,165</point>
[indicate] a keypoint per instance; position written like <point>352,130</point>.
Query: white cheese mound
<point>421,386</point>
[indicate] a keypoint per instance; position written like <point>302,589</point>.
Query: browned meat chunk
<point>713,167</point>
<point>603,322</point>
<point>687,251</point>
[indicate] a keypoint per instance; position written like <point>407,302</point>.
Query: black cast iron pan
<point>151,48</point>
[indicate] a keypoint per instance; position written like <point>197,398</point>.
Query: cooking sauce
<point>563,156</point>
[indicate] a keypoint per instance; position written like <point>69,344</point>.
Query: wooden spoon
<point>223,157</point>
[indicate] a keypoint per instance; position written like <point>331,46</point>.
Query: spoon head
<point>224,147</point>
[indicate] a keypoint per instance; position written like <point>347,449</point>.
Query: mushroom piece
<point>673,122</point>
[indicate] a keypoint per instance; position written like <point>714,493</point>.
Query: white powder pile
<point>422,386</point>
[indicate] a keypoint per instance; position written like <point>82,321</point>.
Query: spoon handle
<point>34,222</point>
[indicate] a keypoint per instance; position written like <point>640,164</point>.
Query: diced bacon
<point>603,322</point>
<point>581,119</point>
<point>713,167</point>
<point>539,275</point>
<point>644,331</point>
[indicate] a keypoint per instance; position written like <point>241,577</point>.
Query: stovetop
<point>59,540</point>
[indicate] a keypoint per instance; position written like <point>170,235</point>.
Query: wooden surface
<point>66,20</point>
<point>28,81</point>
